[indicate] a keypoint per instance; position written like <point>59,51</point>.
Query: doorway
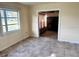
<point>48,23</point>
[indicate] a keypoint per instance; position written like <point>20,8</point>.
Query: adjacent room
<point>48,23</point>
<point>39,29</point>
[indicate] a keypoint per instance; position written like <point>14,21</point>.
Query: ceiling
<point>32,3</point>
<point>35,3</point>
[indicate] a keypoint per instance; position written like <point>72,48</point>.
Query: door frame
<point>59,25</point>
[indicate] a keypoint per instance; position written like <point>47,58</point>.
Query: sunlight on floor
<point>53,55</point>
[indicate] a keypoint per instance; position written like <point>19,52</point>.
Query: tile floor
<point>42,47</point>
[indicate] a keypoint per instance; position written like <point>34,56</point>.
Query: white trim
<point>18,17</point>
<point>70,41</point>
<point>59,22</point>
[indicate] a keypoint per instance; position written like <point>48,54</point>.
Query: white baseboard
<point>18,40</point>
<point>71,41</point>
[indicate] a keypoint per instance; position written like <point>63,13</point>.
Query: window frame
<point>6,24</point>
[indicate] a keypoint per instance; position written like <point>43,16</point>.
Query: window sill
<point>9,33</point>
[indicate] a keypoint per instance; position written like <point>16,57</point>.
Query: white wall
<point>68,29</point>
<point>12,38</point>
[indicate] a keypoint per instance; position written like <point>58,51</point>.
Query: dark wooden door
<point>52,23</point>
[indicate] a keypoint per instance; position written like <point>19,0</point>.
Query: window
<point>9,20</point>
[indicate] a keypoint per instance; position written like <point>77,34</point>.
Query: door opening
<point>48,23</point>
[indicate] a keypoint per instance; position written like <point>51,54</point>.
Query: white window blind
<point>9,20</point>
